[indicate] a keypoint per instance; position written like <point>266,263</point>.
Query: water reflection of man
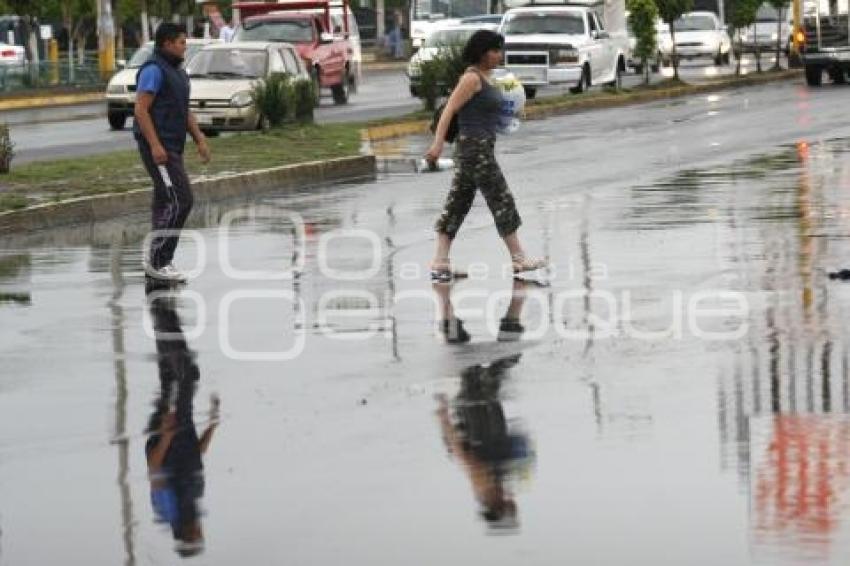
<point>482,439</point>
<point>174,449</point>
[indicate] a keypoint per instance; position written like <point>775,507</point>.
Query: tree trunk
<point>740,55</point>
<point>146,27</point>
<point>776,65</point>
<point>674,55</point>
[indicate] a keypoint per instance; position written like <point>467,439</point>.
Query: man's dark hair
<point>480,43</point>
<point>168,31</point>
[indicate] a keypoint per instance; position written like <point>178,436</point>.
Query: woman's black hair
<point>480,43</point>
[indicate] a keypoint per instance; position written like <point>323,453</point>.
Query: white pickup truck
<point>563,44</point>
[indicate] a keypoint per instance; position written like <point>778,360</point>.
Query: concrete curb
<point>86,210</point>
<point>568,106</point>
<point>49,101</point>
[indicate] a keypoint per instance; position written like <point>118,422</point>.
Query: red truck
<point>321,33</point>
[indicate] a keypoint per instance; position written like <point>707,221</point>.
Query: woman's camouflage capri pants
<point>478,170</point>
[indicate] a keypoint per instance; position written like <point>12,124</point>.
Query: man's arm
<point>142,113</point>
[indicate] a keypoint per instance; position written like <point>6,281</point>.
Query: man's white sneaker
<point>167,273</point>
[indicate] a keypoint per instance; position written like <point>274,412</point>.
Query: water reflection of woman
<point>483,440</point>
<point>174,449</point>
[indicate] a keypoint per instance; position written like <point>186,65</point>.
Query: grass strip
<point>122,171</point>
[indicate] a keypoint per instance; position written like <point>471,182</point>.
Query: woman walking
<point>478,105</point>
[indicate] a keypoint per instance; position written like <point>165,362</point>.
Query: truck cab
<point>563,44</point>
<point>323,40</point>
<point>825,45</point>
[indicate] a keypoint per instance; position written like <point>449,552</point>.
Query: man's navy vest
<point>170,108</point>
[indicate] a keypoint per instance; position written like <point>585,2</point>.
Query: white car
<point>12,55</point>
<point>121,90</point>
<point>562,45</point>
<point>699,35</point>
<point>437,41</point>
<point>767,29</point>
<point>224,74</point>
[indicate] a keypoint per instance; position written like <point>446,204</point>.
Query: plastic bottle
<point>442,164</point>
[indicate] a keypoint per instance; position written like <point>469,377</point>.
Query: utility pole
<point>105,38</point>
<point>146,28</point>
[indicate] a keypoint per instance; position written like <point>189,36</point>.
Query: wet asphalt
<point>680,394</point>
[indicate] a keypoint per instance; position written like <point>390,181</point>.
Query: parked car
<point>699,35</point>
<point>435,43</point>
<point>224,74</point>
<point>769,27</point>
<point>121,89</point>
<point>562,45</point>
<point>331,56</point>
<point>12,55</point>
<point>823,42</point>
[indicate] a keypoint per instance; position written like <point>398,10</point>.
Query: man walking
<point>162,121</point>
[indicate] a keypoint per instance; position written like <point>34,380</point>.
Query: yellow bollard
<point>53,60</point>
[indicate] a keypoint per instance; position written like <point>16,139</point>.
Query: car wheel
<point>530,92</point>
<point>116,120</point>
<point>583,82</point>
<point>340,92</point>
<point>838,76</point>
<point>414,91</point>
<point>814,75</point>
<point>727,58</point>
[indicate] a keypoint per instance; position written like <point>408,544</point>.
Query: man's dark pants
<point>170,205</point>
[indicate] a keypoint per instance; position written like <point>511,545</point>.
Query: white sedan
<point>699,35</point>
<point>12,55</point>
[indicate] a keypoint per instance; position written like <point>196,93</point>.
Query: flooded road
<point>680,393</point>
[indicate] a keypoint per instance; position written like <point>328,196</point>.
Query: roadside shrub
<point>7,148</point>
<point>274,99</point>
<point>642,17</point>
<point>440,75</point>
<point>304,95</point>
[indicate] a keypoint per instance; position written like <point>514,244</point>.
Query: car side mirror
<point>325,37</point>
<point>596,34</point>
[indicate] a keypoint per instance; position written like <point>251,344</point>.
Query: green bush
<point>304,94</point>
<point>440,75</point>
<point>273,98</point>
<point>7,149</point>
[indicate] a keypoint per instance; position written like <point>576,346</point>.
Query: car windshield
<point>229,63</point>
<point>448,37</point>
<point>145,51</point>
<point>694,23</point>
<point>290,31</point>
<point>767,13</point>
<point>528,23</point>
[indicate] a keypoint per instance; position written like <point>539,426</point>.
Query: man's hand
<point>160,156</point>
<point>204,150</point>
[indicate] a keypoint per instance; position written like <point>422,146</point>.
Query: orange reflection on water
<point>801,483</point>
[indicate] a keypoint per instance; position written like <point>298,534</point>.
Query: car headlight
<point>242,99</point>
<point>773,36</point>
<point>561,56</point>
<point>116,89</point>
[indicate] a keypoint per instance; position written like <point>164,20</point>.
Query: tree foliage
<point>642,17</point>
<point>670,11</point>
<point>780,6</point>
<point>742,16</point>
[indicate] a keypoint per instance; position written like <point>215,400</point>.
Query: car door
<point>596,53</point>
<point>606,49</point>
